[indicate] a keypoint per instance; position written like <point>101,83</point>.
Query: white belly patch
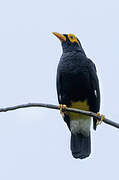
<point>80,123</point>
<point>80,126</point>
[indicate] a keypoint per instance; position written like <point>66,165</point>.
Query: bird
<point>77,86</point>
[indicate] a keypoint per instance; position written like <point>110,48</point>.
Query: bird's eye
<point>71,37</point>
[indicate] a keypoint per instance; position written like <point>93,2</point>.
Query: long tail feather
<point>80,146</point>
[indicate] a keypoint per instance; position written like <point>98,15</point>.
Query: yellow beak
<point>61,37</point>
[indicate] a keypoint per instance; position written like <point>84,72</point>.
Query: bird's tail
<point>80,146</point>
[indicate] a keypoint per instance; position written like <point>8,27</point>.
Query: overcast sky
<point>35,142</point>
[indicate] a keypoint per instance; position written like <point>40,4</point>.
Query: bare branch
<point>88,113</point>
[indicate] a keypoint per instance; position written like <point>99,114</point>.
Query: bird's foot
<point>101,120</point>
<point>62,107</point>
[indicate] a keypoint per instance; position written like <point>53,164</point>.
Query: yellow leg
<point>62,106</point>
<point>102,118</point>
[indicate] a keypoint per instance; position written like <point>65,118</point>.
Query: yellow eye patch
<point>73,38</point>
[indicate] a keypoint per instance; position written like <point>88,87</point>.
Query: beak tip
<point>54,33</point>
<point>60,36</point>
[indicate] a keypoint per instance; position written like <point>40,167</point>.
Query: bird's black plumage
<point>77,81</point>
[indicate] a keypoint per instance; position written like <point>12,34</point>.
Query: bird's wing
<point>62,97</point>
<point>59,86</point>
<point>95,90</point>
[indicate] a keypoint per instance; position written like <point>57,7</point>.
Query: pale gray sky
<point>34,143</point>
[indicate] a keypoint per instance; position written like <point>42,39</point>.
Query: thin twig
<point>88,113</point>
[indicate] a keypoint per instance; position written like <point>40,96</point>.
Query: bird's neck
<point>67,50</point>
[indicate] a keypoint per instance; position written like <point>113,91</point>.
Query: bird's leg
<point>61,107</point>
<point>102,118</point>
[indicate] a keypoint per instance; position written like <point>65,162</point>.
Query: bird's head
<point>69,42</point>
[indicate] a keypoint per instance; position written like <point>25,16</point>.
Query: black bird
<point>77,87</point>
